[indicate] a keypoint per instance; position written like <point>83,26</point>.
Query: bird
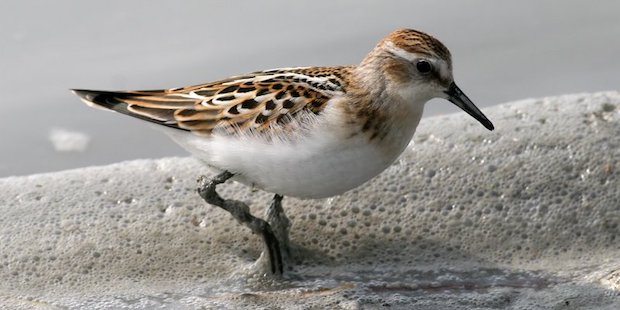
<point>305,132</point>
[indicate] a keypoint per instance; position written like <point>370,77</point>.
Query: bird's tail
<point>155,106</point>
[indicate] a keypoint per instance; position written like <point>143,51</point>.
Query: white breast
<point>322,163</point>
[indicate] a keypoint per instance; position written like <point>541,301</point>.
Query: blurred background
<point>502,51</point>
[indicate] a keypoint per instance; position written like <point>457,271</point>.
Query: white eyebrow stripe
<point>390,47</point>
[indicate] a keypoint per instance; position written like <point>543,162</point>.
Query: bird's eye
<point>424,66</point>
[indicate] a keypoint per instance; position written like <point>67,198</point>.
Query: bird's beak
<point>456,96</point>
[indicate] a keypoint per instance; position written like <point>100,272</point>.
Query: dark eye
<point>424,66</point>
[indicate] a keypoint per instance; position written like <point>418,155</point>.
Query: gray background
<point>502,51</point>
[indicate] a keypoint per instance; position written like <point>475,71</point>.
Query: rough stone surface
<point>525,217</point>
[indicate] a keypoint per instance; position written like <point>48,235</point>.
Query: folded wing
<point>257,101</point>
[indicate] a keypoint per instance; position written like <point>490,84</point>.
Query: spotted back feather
<point>256,102</point>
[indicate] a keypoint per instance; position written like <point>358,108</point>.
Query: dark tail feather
<point>116,101</point>
<point>105,99</point>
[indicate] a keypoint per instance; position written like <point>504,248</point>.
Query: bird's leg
<point>241,212</point>
<point>279,222</point>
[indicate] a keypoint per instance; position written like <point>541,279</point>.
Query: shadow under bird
<point>308,132</point>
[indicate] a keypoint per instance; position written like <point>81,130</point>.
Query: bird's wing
<point>258,101</point>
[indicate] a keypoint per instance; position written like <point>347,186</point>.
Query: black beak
<point>456,96</point>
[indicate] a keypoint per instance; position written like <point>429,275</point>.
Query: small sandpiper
<point>308,132</point>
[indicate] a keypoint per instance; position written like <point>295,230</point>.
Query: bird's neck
<point>386,115</point>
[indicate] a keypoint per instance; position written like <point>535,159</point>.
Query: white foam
<point>65,140</point>
<point>524,217</point>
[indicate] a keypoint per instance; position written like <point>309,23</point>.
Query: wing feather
<point>259,101</point>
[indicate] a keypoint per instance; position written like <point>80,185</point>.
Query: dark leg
<point>240,211</point>
<point>279,222</point>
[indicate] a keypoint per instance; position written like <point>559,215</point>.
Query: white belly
<point>319,159</point>
<point>317,166</point>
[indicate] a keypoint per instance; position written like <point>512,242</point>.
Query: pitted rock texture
<point>524,217</point>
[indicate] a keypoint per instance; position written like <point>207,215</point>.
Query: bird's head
<point>419,67</point>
